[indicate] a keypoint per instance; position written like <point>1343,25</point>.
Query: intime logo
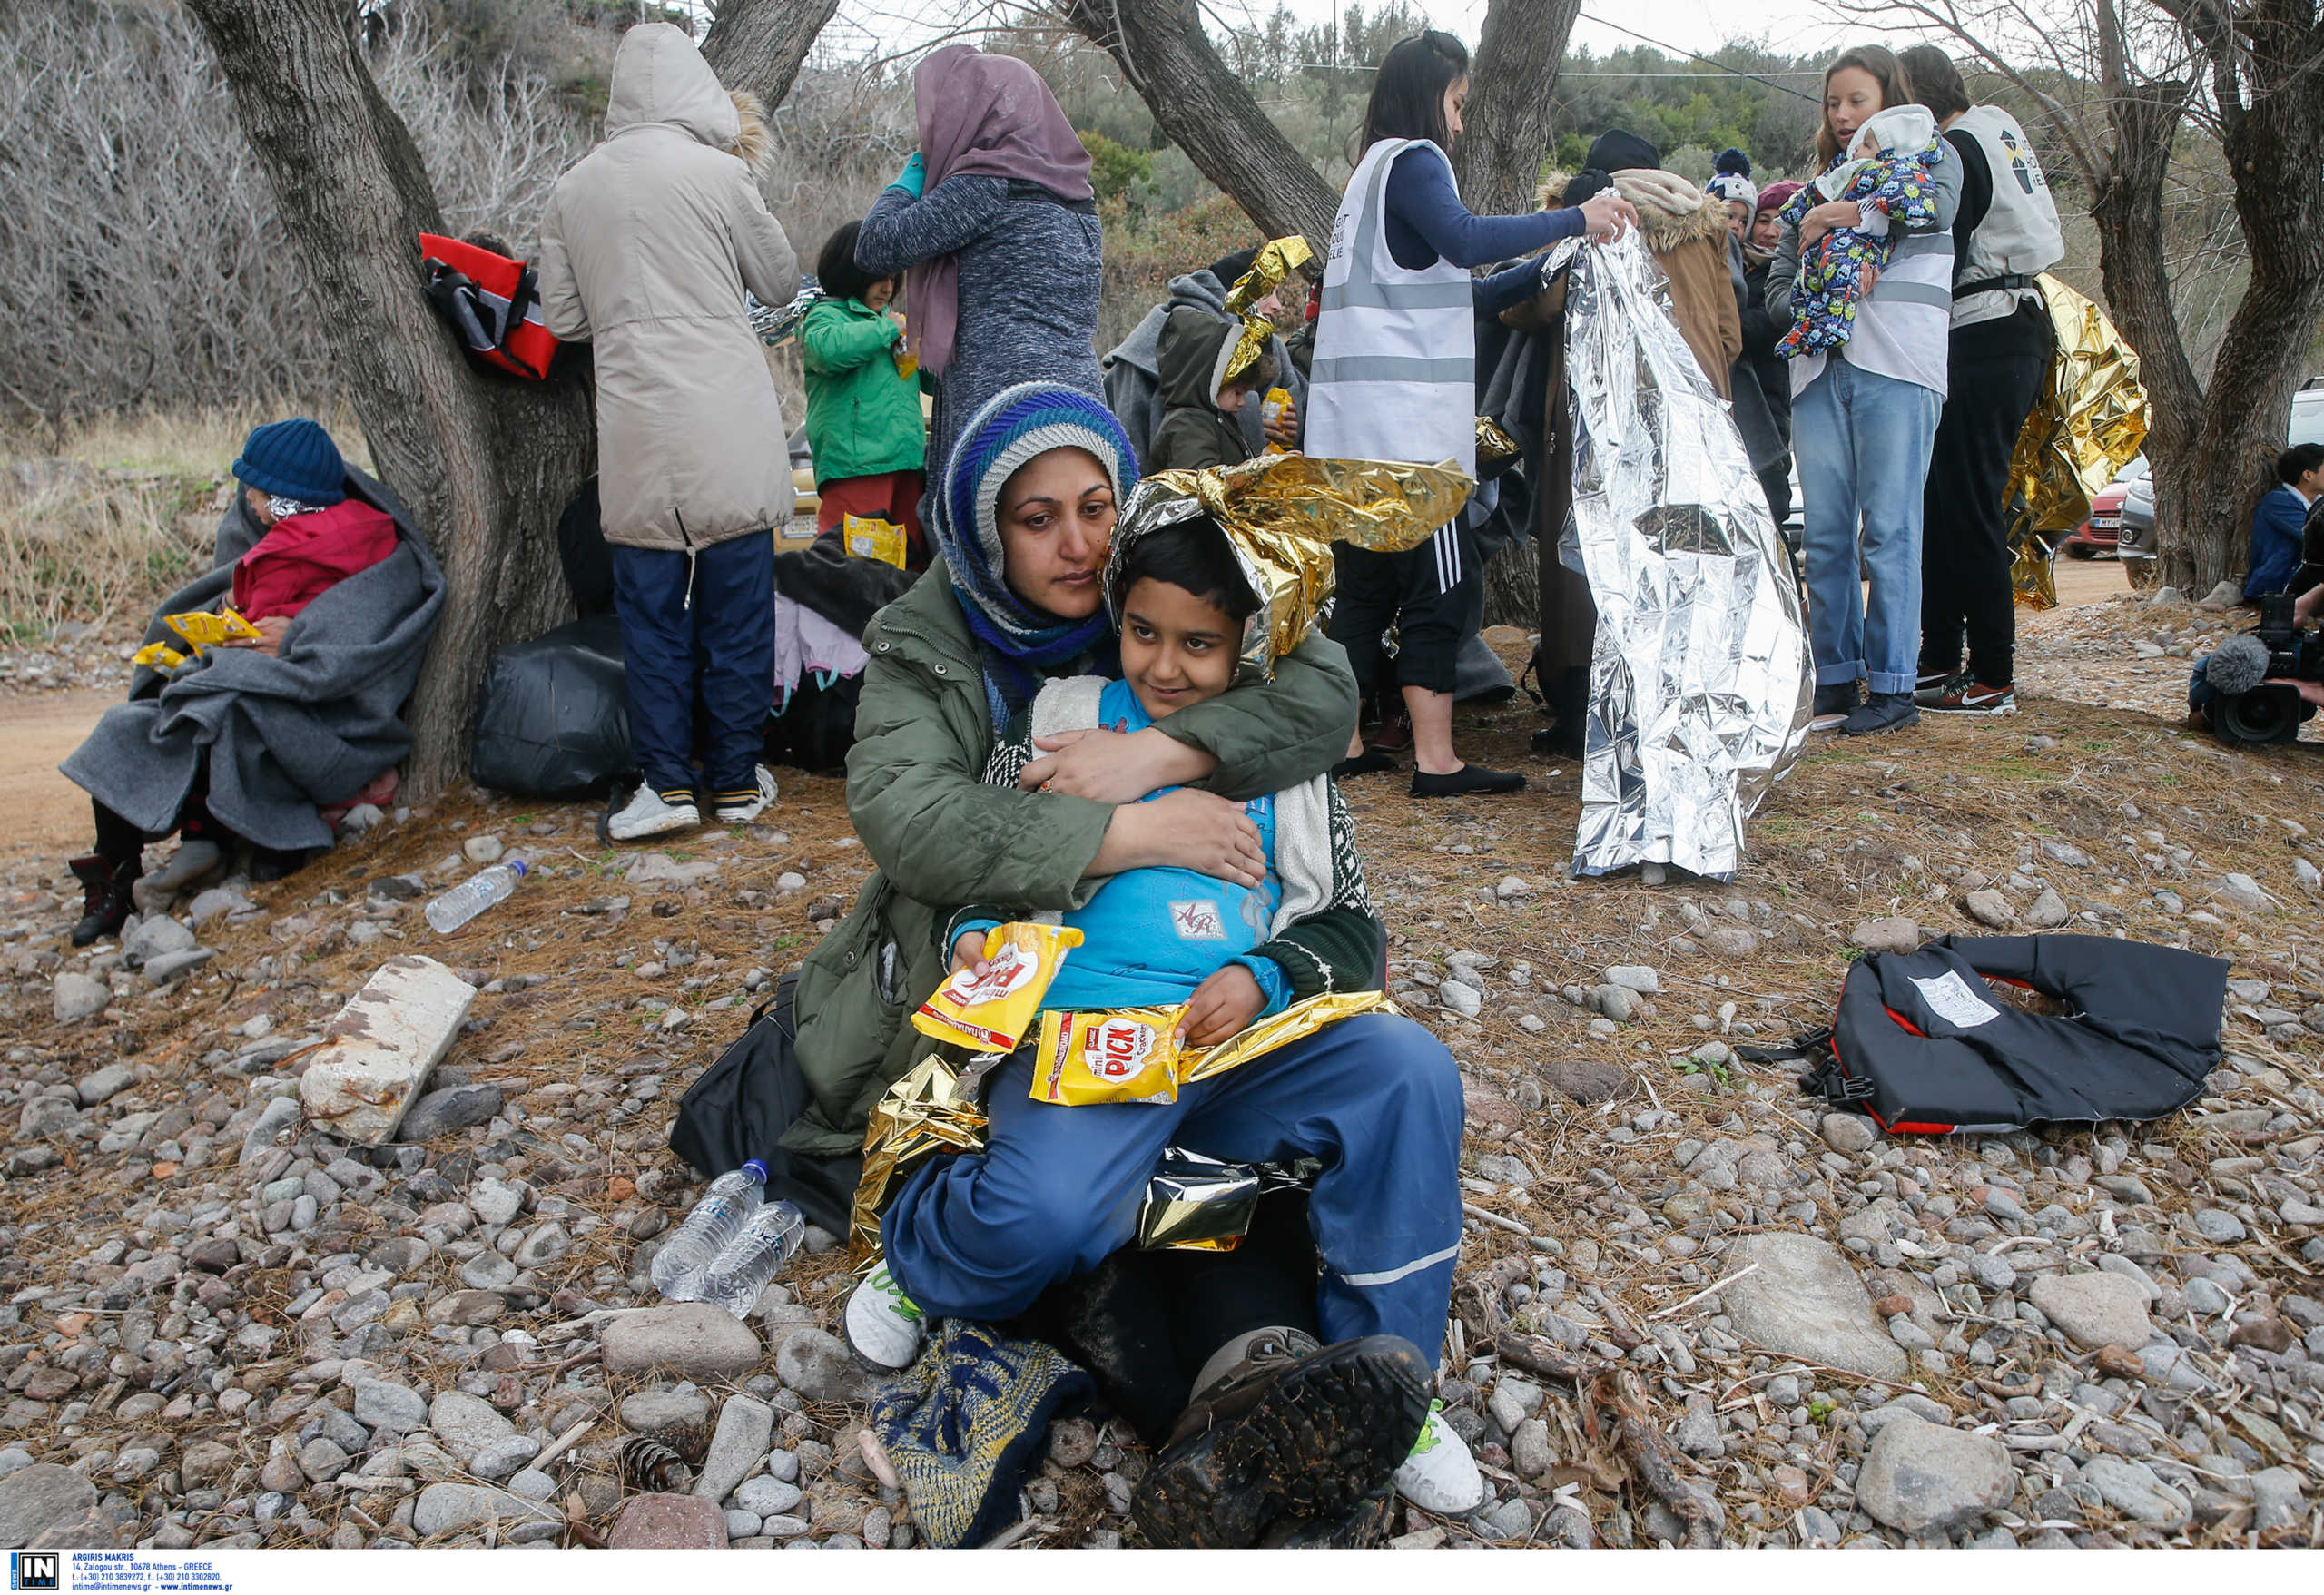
<point>34,1570</point>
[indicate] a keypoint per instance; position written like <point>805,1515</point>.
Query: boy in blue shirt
<point>1375,1097</point>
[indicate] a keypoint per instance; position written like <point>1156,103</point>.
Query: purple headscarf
<point>988,116</point>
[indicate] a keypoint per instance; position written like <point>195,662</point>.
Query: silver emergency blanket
<point>1700,682</point>
<point>776,324</point>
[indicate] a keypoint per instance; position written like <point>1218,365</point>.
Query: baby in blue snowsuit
<point>1888,168</point>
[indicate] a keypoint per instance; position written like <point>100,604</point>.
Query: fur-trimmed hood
<point>1671,211</point>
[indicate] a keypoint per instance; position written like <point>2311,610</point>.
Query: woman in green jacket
<point>863,420</point>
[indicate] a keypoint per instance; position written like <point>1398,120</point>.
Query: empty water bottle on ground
<point>737,1275</point>
<point>715,1220</point>
<point>472,896</point>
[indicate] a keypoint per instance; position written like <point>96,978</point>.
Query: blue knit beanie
<point>294,459</point>
<point>1015,426</point>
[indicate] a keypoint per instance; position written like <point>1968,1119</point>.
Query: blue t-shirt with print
<point>1149,936</point>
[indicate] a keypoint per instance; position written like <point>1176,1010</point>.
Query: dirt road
<point>48,814</point>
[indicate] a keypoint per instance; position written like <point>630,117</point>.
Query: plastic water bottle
<point>737,1275</point>
<point>715,1220</point>
<point>472,896</point>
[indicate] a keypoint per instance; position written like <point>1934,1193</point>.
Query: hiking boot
<point>105,900</point>
<point>1882,712</point>
<point>1965,695</point>
<point>1932,685</point>
<point>653,813</point>
<point>1362,1527</point>
<point>1439,1475</point>
<point>741,807</point>
<point>885,1327</point>
<point>1833,705</point>
<point>1289,1431</point>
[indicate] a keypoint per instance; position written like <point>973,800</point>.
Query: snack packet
<point>1271,410</point>
<point>158,657</point>
<point>993,1011</point>
<point>1109,1054</point>
<point>205,630</point>
<point>870,538</point>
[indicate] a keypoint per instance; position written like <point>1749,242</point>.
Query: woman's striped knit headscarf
<point>1015,426</point>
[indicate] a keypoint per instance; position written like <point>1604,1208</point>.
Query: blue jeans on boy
<point>1056,1191</point>
<point>1862,442</point>
<point>705,621</point>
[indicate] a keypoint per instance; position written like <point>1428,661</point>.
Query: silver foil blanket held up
<point>1700,682</point>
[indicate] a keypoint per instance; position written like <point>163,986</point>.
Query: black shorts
<point>1429,593</point>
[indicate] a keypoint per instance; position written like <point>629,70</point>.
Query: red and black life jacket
<point>492,302</point>
<point>1922,1044</point>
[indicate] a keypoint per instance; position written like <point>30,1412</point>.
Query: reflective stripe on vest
<point>1394,373</point>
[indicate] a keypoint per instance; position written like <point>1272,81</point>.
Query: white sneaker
<point>885,1327</point>
<point>1440,1476</point>
<point>652,813</point>
<point>740,808</point>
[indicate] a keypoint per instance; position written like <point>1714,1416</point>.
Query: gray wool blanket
<point>282,735</point>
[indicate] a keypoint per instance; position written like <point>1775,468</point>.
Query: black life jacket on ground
<point>1921,1043</point>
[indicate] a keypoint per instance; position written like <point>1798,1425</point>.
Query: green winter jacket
<point>942,838</point>
<point>1194,432</point>
<point>862,418</point>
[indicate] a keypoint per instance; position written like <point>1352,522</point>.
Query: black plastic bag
<point>588,558</point>
<point>742,1104</point>
<point>817,725</point>
<point>553,715</point>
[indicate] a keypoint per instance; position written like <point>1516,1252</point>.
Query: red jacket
<point>300,557</point>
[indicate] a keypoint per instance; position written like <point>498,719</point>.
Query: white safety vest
<point>2020,235</point>
<point>1396,368</point>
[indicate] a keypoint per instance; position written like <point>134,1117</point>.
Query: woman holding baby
<point>1863,278</point>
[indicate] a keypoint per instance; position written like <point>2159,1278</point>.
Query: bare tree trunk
<point>1209,112</point>
<point>485,465</point>
<point>758,44</point>
<point>1499,156</point>
<point>1514,585</point>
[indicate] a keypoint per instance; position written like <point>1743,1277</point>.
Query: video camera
<point>2269,709</point>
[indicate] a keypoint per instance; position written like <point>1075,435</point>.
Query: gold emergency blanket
<point>1281,512</point>
<point>2088,424</point>
<point>1276,259</point>
<point>1700,680</point>
<point>927,1110</point>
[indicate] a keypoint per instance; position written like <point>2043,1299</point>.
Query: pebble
<point>1893,934</point>
<point>504,1457</point>
<point>1920,1477</point>
<point>666,1414</point>
<point>388,1407</point>
<point>693,1340</point>
<point>454,1108</point>
<point>2277,1501</point>
<point>2133,1489</point>
<point>482,850</point>
<point>2094,1309</point>
<point>1990,908</point>
<point>745,1425</point>
<point>45,1506</point>
<point>448,1508</point>
<point>77,997</point>
<point>669,1522</point>
<point>466,1424</point>
<point>817,1365</point>
<point>2217,1227</point>
<point>1460,998</point>
<point>1805,1301</point>
<point>1634,978</point>
<point>2048,912</point>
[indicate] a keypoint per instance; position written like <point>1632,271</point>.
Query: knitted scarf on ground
<point>1017,641</point>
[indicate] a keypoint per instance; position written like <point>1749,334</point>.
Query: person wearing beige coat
<point>646,248</point>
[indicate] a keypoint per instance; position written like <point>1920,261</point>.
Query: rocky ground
<point>222,1325</point>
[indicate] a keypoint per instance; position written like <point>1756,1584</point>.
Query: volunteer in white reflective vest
<point>2005,232</point>
<point>1394,377</point>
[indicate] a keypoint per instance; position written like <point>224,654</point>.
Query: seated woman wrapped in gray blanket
<point>250,738</point>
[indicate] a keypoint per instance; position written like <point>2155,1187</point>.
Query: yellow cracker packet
<point>158,657</point>
<point>869,538</point>
<point>1109,1054</point>
<point>993,1011</point>
<point>205,630</point>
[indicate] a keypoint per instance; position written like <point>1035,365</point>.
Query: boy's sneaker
<point>1965,695</point>
<point>1882,712</point>
<point>1932,685</point>
<point>653,813</point>
<point>885,1327</point>
<point>1290,1432</point>
<point>741,807</point>
<point>1441,1476</point>
<point>1833,705</point>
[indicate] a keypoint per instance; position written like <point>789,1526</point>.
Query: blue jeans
<point>1863,443</point>
<point>1056,1190</point>
<point>701,625</point>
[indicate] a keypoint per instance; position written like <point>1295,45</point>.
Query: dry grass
<point>117,513</point>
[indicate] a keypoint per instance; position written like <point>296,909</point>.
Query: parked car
<point>2120,520</point>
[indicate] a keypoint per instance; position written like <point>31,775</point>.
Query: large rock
<point>2094,1309</point>
<point>1804,1301</point>
<point>745,1429</point>
<point>1894,933</point>
<point>48,1508</point>
<point>152,937</point>
<point>669,1522</point>
<point>1920,1477</point>
<point>691,1339</point>
<point>379,1050</point>
<point>78,997</point>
